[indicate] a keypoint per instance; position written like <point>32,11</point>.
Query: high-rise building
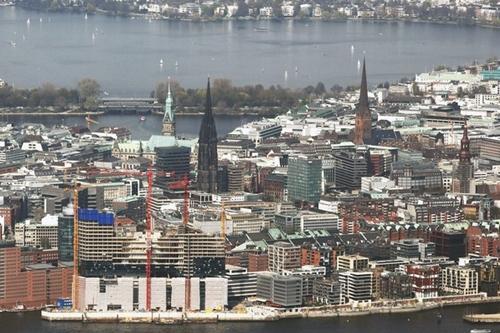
<point>169,115</point>
<point>207,149</point>
<point>304,178</point>
<point>350,167</point>
<point>174,161</point>
<point>363,129</point>
<point>464,173</point>
<point>65,234</point>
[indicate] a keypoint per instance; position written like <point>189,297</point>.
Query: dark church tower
<point>465,170</point>
<point>363,129</point>
<point>207,149</point>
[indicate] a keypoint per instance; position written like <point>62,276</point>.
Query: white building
<point>129,293</point>
<point>460,280</point>
<point>356,286</point>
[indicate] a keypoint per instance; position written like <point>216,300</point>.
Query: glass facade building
<point>304,179</point>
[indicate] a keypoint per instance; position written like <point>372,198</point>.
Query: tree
<point>89,91</point>
<point>320,89</point>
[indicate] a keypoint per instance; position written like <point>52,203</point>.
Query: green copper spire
<point>169,112</point>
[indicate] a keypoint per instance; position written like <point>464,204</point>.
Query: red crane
<point>184,185</point>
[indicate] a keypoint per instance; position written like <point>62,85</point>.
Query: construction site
<point>128,268</point>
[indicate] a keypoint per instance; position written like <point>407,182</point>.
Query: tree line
<point>227,96</point>
<point>85,95</point>
<point>224,95</point>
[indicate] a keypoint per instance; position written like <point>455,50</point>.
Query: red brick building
<point>257,262</point>
<point>481,243</point>
<point>31,286</point>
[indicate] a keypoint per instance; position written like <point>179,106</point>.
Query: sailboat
<point>86,16</point>
<point>352,49</point>
<point>28,21</point>
<point>359,65</point>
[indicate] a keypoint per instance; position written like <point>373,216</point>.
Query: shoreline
<point>159,17</point>
<point>264,314</point>
<point>97,114</point>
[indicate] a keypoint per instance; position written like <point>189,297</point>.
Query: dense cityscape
<point>357,201</point>
<point>249,166</point>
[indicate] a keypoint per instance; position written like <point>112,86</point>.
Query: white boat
<point>143,118</point>
<point>86,16</point>
<point>28,21</point>
<point>161,61</point>
<point>352,49</point>
<point>93,36</point>
<point>359,65</point>
<point>12,43</point>
<point>41,20</point>
<point>480,330</point>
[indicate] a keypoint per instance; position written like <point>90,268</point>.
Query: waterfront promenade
<point>265,313</point>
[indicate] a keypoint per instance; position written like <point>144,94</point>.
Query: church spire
<point>208,103</point>
<point>207,149</point>
<point>169,114</point>
<point>363,126</point>
<point>465,155</point>
<point>363,93</point>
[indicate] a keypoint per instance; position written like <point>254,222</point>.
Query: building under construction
<point>109,250</point>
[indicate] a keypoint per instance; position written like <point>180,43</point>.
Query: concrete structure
<point>283,256</point>
<point>328,292</point>
<point>352,263</point>
<point>128,293</point>
<point>283,291</point>
<point>309,274</point>
<point>356,286</point>
<point>460,280</point>
<point>240,283</point>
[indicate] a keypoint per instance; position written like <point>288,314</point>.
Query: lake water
<point>186,126</point>
<point>394,323</point>
<point>124,54</point>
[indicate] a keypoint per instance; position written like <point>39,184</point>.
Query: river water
<point>395,323</point>
<point>124,54</point>
<point>186,126</point>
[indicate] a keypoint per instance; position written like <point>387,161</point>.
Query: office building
<point>283,256</point>
<point>418,177</point>
<point>304,179</point>
<point>327,292</point>
<point>352,263</point>
<point>240,283</point>
<point>65,229</point>
<point>350,167</point>
<point>279,290</point>
<point>356,286</point>
<point>33,285</point>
